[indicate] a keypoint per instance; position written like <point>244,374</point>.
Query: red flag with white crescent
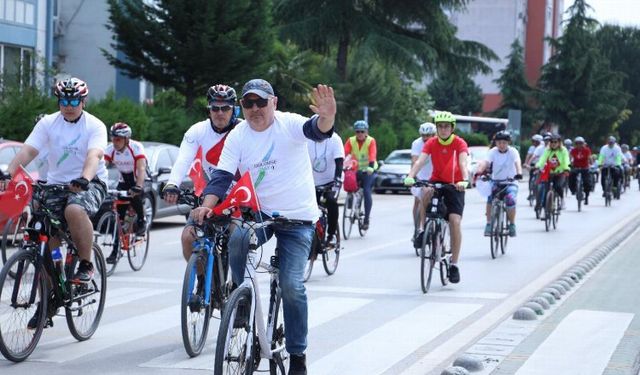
<point>243,194</point>
<point>16,196</point>
<point>197,174</point>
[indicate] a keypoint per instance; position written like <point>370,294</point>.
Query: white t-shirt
<point>610,155</point>
<point>531,149</point>
<point>68,144</point>
<point>126,159</point>
<point>416,150</point>
<point>503,165</point>
<point>538,153</point>
<point>199,134</point>
<point>278,160</point>
<point>323,155</point>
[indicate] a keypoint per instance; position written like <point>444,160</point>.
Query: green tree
<point>578,90</point>
<point>111,110</point>
<point>516,92</point>
<point>191,45</point>
<point>412,36</point>
<point>19,107</point>
<point>455,91</point>
<point>622,46</point>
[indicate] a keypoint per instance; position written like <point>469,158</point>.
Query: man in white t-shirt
<point>75,141</point>
<point>421,200</point>
<point>505,165</point>
<point>208,135</point>
<point>272,146</point>
<point>327,157</point>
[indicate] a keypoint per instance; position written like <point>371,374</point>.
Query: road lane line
<point>582,344</point>
<point>381,348</point>
<point>403,292</point>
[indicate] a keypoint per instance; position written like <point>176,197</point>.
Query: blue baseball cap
<point>259,87</point>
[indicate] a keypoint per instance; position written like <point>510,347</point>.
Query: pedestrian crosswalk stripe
<point>582,344</point>
<point>123,296</point>
<point>404,292</point>
<point>393,341</point>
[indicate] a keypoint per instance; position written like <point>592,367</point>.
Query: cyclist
<point>449,159</point>
<point>504,163</point>
<point>129,158</point>
<point>327,157</point>
<point>610,161</point>
<point>568,144</point>
<point>627,161</point>
<point>580,159</point>
<point>531,159</point>
<point>556,157</point>
<point>420,203</point>
<point>75,141</point>
<point>210,135</point>
<point>362,147</point>
<point>272,146</point>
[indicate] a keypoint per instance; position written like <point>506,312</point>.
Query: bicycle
<point>435,242</point>
<point>243,338</point>
<point>319,246</point>
<point>352,213</point>
<point>13,234</point>
<point>114,233</point>
<point>580,193</point>
<point>41,286</point>
<point>608,186</point>
<point>499,220</point>
<point>533,188</point>
<point>552,205</point>
<point>206,284</point>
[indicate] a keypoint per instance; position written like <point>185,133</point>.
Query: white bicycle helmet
<point>427,129</point>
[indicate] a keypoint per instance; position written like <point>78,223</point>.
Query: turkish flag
<point>243,194</point>
<point>16,195</point>
<point>197,174</point>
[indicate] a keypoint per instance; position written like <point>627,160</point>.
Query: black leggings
<point>136,203</point>
<point>332,210</point>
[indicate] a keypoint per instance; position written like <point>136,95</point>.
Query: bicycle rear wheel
<point>331,256</point>
<point>138,251</point>
<point>195,313</point>
<point>347,222</point>
<point>17,342</point>
<point>107,238</point>
<point>427,256</point>
<point>84,311</point>
<point>234,346</point>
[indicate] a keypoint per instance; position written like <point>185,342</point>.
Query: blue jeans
<point>366,182</point>
<point>294,245</point>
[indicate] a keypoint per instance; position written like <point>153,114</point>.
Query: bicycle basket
<point>350,183</point>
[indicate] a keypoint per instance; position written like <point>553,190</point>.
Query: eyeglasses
<point>360,131</point>
<point>215,108</point>
<point>260,102</point>
<point>69,102</point>
<point>555,141</point>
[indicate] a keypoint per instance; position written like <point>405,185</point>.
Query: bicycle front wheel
<point>495,231</point>
<point>445,242</point>
<point>21,299</point>
<point>548,210</point>
<point>107,238</point>
<point>195,312</point>
<point>331,256</point>
<point>12,236</point>
<point>504,231</point>
<point>347,222</point>
<point>359,216</point>
<point>138,251</point>
<point>277,363</point>
<point>84,311</point>
<point>234,346</point>
<point>427,256</point>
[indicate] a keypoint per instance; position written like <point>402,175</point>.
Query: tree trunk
<point>343,51</point>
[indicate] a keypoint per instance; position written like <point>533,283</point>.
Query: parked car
<point>392,172</point>
<point>160,160</point>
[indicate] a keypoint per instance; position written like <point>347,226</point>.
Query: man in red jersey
<point>580,158</point>
<point>449,159</point>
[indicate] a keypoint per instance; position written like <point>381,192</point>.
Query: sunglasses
<point>215,108</point>
<point>248,103</point>
<point>69,102</point>
<point>360,131</point>
<point>555,141</point>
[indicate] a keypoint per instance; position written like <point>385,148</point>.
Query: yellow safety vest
<point>362,154</point>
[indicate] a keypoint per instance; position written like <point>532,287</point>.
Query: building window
<point>16,65</point>
<point>18,11</point>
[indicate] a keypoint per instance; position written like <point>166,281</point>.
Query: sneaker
<point>454,274</point>
<point>141,229</point>
<point>113,257</point>
<point>417,241</point>
<point>487,230</point>
<point>512,230</point>
<point>298,364</point>
<point>330,243</point>
<point>365,224</point>
<point>84,274</point>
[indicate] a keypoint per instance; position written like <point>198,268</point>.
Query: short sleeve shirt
<point>445,159</point>
<point>503,165</point>
<point>416,150</point>
<point>323,155</point>
<point>126,159</point>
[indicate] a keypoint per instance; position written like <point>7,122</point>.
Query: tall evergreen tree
<point>190,45</point>
<point>514,88</point>
<point>579,91</point>
<point>412,36</point>
<point>455,91</point>
<point>622,46</point>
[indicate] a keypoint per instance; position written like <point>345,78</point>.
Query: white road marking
<point>403,292</point>
<point>582,344</point>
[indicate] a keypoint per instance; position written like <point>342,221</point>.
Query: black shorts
<point>90,200</point>
<point>453,200</point>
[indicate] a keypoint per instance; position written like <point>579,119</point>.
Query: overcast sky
<point>621,12</point>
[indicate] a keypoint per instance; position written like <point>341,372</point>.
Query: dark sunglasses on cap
<point>248,103</point>
<point>69,102</point>
<point>215,108</point>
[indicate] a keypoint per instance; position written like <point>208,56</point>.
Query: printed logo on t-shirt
<point>69,150</point>
<point>265,164</point>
